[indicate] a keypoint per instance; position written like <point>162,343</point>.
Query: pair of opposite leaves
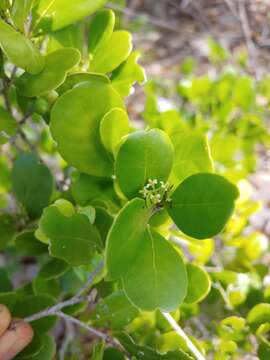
<point>200,206</point>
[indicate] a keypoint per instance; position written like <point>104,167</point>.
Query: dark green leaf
<point>112,353</point>
<point>27,244</point>
<point>202,204</point>
<point>5,283</point>
<point>32,183</point>
<point>90,190</point>
<point>53,269</point>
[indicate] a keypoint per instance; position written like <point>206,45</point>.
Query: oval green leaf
<point>20,50</point>
<point>57,64</point>
<point>112,53</point>
<point>100,29</point>
<point>75,120</point>
<point>113,127</point>
<point>259,315</point>
<point>199,284</point>
<point>32,183</point>
<point>73,239</point>
<point>192,155</point>
<point>124,238</point>
<point>142,156</point>
<point>61,13</point>
<point>156,277</point>
<point>202,204</point>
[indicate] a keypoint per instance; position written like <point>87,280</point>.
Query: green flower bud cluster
<point>156,192</point>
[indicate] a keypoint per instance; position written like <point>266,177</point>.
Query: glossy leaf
<point>59,13</point>
<point>147,353</point>
<point>75,121</point>
<point>143,155</point>
<point>20,50</point>
<point>32,183</point>
<point>127,74</point>
<point>156,278</point>
<point>57,64</point>
<point>192,155</point>
<point>110,54</point>
<point>100,29</point>
<point>202,204</point>
<point>113,127</point>
<point>115,311</point>
<point>72,239</point>
<point>8,126</point>
<point>124,238</point>
<point>199,284</point>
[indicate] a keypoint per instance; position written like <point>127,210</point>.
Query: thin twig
<point>52,311</point>
<point>87,327</point>
<point>183,335</point>
<point>107,338</point>
<point>76,299</point>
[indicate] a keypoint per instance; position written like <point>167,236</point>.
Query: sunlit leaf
<point>20,50</point>
<point>75,121</point>
<point>54,73</point>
